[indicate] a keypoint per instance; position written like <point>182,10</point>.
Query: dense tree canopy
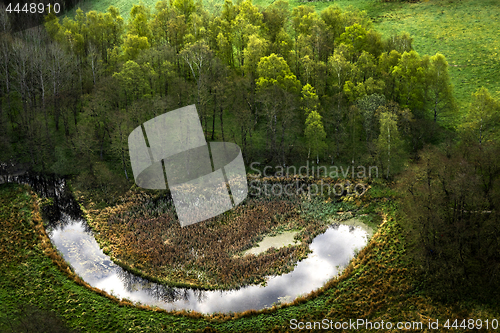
<point>287,84</point>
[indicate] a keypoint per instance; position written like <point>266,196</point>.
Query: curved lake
<point>71,235</point>
<point>331,251</point>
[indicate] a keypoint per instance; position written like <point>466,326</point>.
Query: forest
<point>290,85</point>
<point>284,84</point>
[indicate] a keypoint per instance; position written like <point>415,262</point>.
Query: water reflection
<point>72,236</point>
<point>330,252</point>
<point>54,187</point>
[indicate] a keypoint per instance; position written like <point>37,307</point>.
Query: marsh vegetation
<point>143,234</point>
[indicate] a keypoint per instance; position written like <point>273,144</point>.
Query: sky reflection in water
<point>331,251</point>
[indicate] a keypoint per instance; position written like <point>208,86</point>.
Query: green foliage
<point>185,7</point>
<point>133,45</point>
<point>482,121</point>
<point>133,80</point>
<point>274,71</point>
<point>315,133</point>
<point>319,209</point>
<point>284,44</point>
<point>105,30</point>
<point>247,22</point>
<point>353,92</point>
<point>390,146</point>
<point>368,106</point>
<point>53,26</point>
<point>440,92</point>
<point>275,18</point>
<point>342,68</point>
<point>180,46</point>
<point>138,23</point>
<point>409,73</point>
<point>254,51</point>
<point>333,18</point>
<point>355,36</point>
<point>302,19</point>
<point>309,99</point>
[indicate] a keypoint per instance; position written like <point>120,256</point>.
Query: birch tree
<point>341,69</point>
<point>277,88</point>
<point>483,118</point>
<point>390,145</point>
<point>439,90</point>
<point>315,135</point>
<point>198,57</point>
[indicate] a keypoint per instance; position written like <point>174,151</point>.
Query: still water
<point>330,252</point>
<point>73,238</point>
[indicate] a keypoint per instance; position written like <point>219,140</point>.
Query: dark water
<point>71,235</point>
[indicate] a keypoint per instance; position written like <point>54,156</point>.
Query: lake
<point>73,238</point>
<point>331,251</point>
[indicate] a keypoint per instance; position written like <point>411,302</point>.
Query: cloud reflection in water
<point>332,250</point>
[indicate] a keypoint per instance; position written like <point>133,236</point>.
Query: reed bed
<point>143,235</point>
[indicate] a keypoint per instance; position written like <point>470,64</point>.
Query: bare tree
<point>197,57</point>
<point>57,62</point>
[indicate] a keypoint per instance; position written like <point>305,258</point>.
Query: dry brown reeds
<point>143,234</point>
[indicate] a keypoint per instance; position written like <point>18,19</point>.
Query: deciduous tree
<point>483,118</point>
<point>390,146</point>
<point>315,134</point>
<point>439,91</point>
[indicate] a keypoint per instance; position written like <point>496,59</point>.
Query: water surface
<point>284,239</point>
<point>331,251</point>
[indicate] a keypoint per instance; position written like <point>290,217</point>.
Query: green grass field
<point>465,31</point>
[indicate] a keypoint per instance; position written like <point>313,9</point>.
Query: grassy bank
<point>380,284</point>
<point>30,278</point>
